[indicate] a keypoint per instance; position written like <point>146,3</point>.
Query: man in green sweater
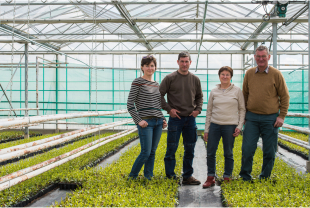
<point>265,93</point>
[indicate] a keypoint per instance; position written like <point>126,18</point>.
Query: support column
<point>308,162</point>
<point>255,46</point>
<point>66,60</point>
<point>274,50</point>
<point>274,40</point>
<point>57,128</point>
<point>26,133</point>
<point>37,84</point>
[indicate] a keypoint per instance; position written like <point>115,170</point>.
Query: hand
<point>279,122</point>
<point>194,113</point>
<point>205,137</point>
<point>165,124</point>
<point>244,121</point>
<point>143,124</point>
<point>173,113</point>
<point>237,132</point>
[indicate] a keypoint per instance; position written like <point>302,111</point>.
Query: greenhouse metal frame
<point>90,51</point>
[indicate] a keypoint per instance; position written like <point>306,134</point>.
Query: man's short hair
<point>226,68</point>
<point>184,54</point>
<point>262,48</point>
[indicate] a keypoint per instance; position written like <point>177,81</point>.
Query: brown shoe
<point>190,181</point>
<point>209,182</point>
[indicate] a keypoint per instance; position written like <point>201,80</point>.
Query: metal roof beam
<point>19,32</point>
<point>158,33</point>
<point>157,40</point>
<point>123,11</point>
<point>83,52</point>
<point>146,19</point>
<point>144,2</point>
<point>259,29</point>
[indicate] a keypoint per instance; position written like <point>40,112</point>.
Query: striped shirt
<point>144,100</point>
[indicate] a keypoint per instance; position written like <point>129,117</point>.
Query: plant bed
<point>32,186</point>
<point>9,136</point>
<point>285,188</point>
<point>43,151</point>
<point>300,151</point>
<point>109,154</point>
<point>297,152</point>
<point>110,186</point>
<point>23,141</point>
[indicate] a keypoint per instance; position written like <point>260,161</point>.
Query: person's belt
<point>148,117</point>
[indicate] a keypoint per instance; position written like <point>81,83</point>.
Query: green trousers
<point>256,125</point>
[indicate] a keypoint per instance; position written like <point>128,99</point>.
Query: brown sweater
<point>265,93</point>
<point>184,93</point>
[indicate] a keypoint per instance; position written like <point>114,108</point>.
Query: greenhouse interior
<point>67,69</point>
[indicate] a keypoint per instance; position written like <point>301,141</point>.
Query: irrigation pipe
<point>32,174</point>
<point>36,148</point>
<point>6,123</point>
<point>296,128</point>
<point>47,162</point>
<point>304,115</point>
<point>294,141</point>
<point>20,109</point>
<point>53,138</point>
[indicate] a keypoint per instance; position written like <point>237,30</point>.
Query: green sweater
<point>265,93</point>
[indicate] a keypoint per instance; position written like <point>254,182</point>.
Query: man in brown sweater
<point>184,95</point>
<point>265,93</point>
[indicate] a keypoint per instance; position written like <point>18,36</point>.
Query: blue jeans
<point>215,133</point>
<point>187,126</point>
<point>149,139</point>
<point>256,125</point>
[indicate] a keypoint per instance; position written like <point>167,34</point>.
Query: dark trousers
<point>217,132</point>
<point>255,126</point>
<point>187,126</point>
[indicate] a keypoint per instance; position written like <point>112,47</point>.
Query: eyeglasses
<point>148,56</point>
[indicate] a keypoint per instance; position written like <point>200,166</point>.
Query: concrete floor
<point>196,196</point>
<point>116,156</point>
<point>50,198</point>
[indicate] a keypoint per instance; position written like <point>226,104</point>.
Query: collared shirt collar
<point>266,70</point>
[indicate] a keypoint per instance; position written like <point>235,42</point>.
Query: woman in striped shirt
<point>144,106</point>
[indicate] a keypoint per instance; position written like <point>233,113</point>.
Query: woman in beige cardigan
<point>225,117</point>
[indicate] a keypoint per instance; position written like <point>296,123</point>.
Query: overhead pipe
<point>53,138</point>
<point>32,174</point>
<point>303,115</point>
<point>20,109</point>
<point>18,127</point>
<point>5,123</point>
<point>296,128</point>
<point>18,153</point>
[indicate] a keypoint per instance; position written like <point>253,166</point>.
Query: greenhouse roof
<point>120,27</point>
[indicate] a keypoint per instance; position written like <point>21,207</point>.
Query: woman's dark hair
<point>226,68</point>
<point>146,60</point>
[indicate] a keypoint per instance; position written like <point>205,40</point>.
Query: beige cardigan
<point>225,108</point>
